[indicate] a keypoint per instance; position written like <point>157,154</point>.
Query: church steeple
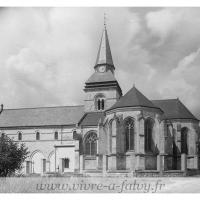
<point>104,56</point>
<point>102,89</point>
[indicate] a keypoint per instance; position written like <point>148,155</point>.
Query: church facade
<point>110,134</point>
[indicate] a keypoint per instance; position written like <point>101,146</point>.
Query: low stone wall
<point>147,173</point>
<point>193,172</point>
<point>174,173</point>
<point>123,173</point>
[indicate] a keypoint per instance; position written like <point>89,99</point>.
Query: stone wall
<point>111,96</point>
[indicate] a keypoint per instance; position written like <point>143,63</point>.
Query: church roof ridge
<point>41,107</point>
<point>168,99</point>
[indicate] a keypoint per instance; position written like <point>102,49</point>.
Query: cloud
<point>163,22</point>
<point>42,57</point>
<point>163,58</point>
<point>47,54</point>
<point>184,81</point>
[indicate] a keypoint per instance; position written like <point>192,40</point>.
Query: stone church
<point>110,134</point>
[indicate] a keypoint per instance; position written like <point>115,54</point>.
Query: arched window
<point>129,133</point>
<point>100,102</point>
<point>37,136</point>
<point>76,136</point>
<point>56,135</point>
<point>91,144</point>
<point>184,146</point>
<point>66,163</point>
<point>148,131</point>
<point>19,136</point>
<point>110,135</point>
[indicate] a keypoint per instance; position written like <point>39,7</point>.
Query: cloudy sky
<point>46,54</point>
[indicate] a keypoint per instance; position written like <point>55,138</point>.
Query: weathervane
<point>105,19</point>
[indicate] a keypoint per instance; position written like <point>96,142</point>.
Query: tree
<point>12,155</point>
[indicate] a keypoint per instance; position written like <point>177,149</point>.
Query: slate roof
<point>42,116</point>
<point>101,77</point>
<point>174,109</point>
<point>104,54</point>
<point>91,119</point>
<point>133,98</point>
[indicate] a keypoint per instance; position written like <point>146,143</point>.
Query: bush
<point>12,155</point>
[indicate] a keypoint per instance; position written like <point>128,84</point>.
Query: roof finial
<point>105,20</point>
<point>134,84</point>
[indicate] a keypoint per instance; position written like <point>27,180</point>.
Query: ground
<point>99,185</point>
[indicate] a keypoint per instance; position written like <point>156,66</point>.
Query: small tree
<point>12,155</point>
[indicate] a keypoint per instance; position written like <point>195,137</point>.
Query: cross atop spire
<point>105,20</point>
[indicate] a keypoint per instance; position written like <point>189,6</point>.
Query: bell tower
<point>102,89</point>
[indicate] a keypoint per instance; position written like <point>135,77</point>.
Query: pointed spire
<point>104,56</point>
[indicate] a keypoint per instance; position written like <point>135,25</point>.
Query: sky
<point>47,54</point>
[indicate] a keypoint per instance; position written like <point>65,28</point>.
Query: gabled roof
<point>43,116</point>
<point>104,55</point>
<point>101,77</point>
<point>174,109</point>
<point>133,98</point>
<point>91,119</point>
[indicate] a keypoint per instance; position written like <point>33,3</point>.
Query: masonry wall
<point>111,144</point>
<point>111,96</point>
<point>172,134</point>
<point>89,162</point>
<point>118,158</point>
<point>43,149</point>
